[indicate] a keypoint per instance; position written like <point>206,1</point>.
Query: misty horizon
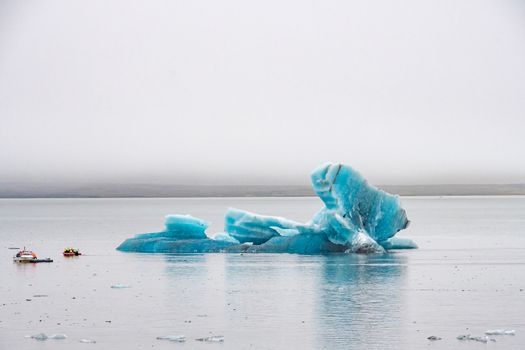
<point>242,93</point>
<point>266,182</point>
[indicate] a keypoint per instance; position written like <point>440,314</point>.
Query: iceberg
<point>356,218</point>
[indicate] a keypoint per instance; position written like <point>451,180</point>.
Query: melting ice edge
<point>356,217</point>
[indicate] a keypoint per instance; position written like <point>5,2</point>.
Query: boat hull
<point>32,261</point>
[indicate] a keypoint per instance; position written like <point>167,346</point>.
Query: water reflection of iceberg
<point>336,301</point>
<point>360,301</point>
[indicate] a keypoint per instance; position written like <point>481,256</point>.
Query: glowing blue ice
<point>223,236</point>
<point>354,209</point>
<point>356,217</point>
<point>183,234</point>
<point>257,229</point>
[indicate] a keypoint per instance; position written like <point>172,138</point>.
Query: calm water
<point>468,276</point>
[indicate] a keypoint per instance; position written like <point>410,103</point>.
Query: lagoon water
<point>467,277</point>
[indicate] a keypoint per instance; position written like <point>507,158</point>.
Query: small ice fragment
<point>480,339</point>
<point>212,339</point>
<point>39,336</point>
<point>120,286</point>
<point>500,332</point>
<point>58,336</point>
<point>469,337</point>
<point>433,337</point>
<point>87,341</point>
<point>173,338</point>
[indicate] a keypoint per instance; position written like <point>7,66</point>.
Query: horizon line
<point>214,191</point>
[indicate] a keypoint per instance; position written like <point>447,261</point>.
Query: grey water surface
<point>467,277</point>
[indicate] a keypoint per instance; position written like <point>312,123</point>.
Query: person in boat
<point>71,251</point>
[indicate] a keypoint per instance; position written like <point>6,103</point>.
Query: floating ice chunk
<point>224,237</point>
<point>43,336</point>
<point>39,336</point>
<point>173,338</point>
<point>483,339</point>
<point>212,339</point>
<point>120,286</point>
<point>58,336</point>
<point>87,341</point>
<point>501,332</point>
<point>433,337</point>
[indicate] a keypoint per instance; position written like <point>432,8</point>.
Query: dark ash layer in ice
<point>356,217</point>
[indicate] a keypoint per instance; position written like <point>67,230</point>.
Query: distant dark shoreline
<point>69,190</point>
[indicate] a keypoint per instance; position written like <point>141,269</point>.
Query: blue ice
<point>356,217</point>
<point>354,210</point>
<point>182,234</point>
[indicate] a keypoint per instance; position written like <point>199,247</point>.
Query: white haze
<point>254,92</point>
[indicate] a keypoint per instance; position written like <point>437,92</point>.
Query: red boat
<point>71,252</point>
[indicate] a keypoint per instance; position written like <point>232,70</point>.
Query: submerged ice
<point>356,217</point>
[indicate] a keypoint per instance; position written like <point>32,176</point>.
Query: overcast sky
<point>236,91</point>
